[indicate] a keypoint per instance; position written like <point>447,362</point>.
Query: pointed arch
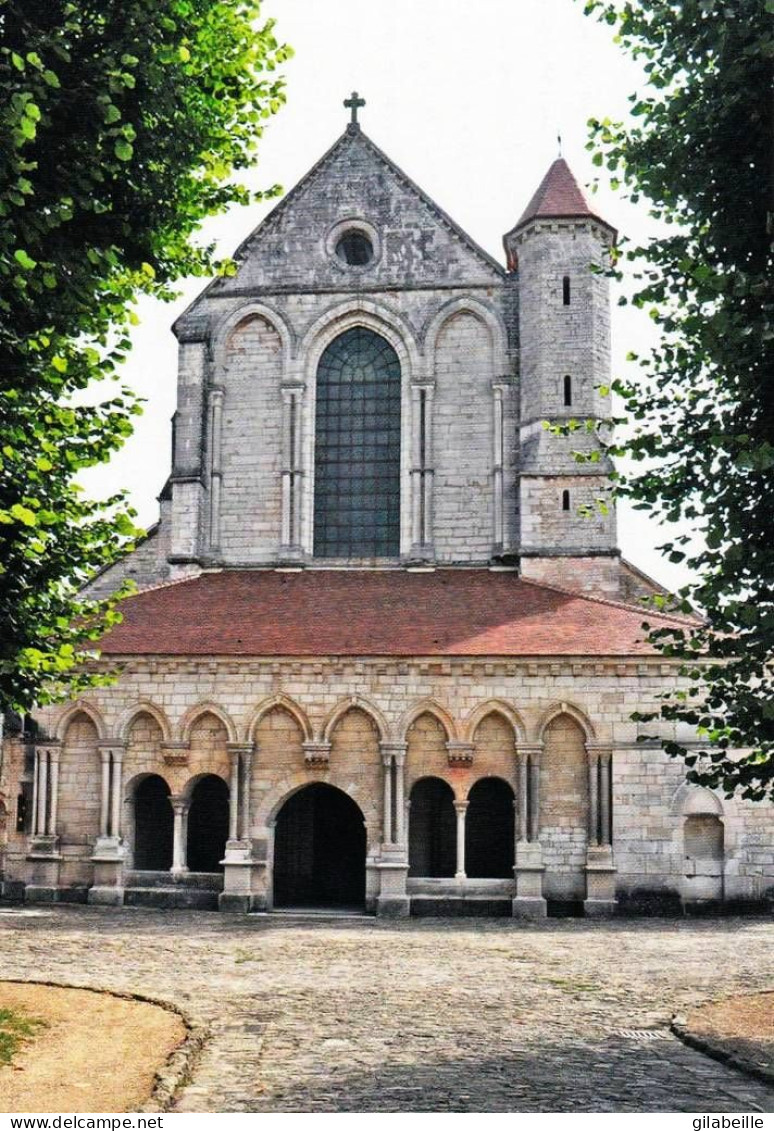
<point>286,704</point>
<point>194,713</point>
<point>357,703</point>
<point>379,317</point>
<point>484,313</point>
<point>144,707</point>
<point>245,313</point>
<point>573,712</point>
<point>432,707</point>
<point>495,707</point>
<point>79,707</point>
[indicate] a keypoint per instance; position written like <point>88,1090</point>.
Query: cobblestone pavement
<point>359,1015</point>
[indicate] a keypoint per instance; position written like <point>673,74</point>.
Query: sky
<point>468,99</point>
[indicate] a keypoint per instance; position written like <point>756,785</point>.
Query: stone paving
<point>360,1015</point>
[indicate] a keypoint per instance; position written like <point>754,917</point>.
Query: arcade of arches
<point>348,819</point>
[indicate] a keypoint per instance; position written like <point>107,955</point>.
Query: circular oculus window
<point>355,248</point>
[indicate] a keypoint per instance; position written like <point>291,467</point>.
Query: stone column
<point>104,801</point>
<point>392,900</point>
<point>461,808</point>
<point>600,865</point>
<point>427,470</point>
<point>400,803</point>
<point>529,903</point>
<point>179,848</point>
<point>387,832</point>
<point>42,823</point>
<point>216,464</point>
<point>497,466</point>
<point>117,782</point>
<point>43,853</point>
<point>593,797</point>
<point>416,467</point>
<point>247,776</point>
<point>233,800</point>
<point>35,780</point>
<point>53,805</point>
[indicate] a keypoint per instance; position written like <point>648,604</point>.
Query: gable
<point>416,243</point>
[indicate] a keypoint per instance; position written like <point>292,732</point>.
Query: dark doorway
<point>208,825</point>
<point>153,821</point>
<point>432,829</point>
<point>489,830</point>
<point>319,850</point>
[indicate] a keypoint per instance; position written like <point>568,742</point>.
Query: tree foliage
<point>122,124</point>
<point>701,150</point>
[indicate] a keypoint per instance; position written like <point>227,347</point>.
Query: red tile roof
<point>465,612</point>
<point>558,196</point>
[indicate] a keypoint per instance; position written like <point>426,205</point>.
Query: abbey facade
<point>385,652</point>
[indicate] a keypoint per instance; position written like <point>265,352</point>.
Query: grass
<point>15,1029</point>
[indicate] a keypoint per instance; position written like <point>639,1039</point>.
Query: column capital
<point>459,753</point>
<point>533,748</point>
<point>48,745</point>
<point>396,750</point>
<point>599,749</point>
<point>179,802</point>
<point>237,748</point>
<point>461,806</point>
<point>316,754</point>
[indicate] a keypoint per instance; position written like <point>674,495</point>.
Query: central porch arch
<point>319,850</point>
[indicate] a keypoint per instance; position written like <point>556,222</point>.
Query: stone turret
<point>560,249</point>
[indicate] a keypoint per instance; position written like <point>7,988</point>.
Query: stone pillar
<point>43,854</point>
<point>600,865</point>
<point>497,467</point>
<point>593,797</point>
<point>186,479</point>
<point>387,831</point>
<point>35,781</point>
<point>104,801</point>
<point>392,901</point>
<point>292,474</point>
<point>461,808</point>
<point>180,806</point>
<point>528,870</point>
<point>233,800</point>
<point>109,852</point>
<point>416,467</point>
<point>428,473</point>
<point>247,777</point>
<point>216,464</point>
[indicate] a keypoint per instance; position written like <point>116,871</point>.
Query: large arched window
<point>357,448</point>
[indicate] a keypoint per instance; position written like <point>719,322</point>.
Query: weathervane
<point>353,103</point>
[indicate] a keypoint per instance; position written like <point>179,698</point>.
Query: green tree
<point>122,124</point>
<point>700,148</point>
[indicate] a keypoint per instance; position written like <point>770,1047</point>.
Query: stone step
<point>193,881</point>
<point>170,898</point>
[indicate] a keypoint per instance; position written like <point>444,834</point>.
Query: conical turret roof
<point>558,196</point>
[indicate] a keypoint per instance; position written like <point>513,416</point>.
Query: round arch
<point>432,829</point>
<point>319,849</point>
<point>208,822</point>
<point>151,822</point>
<point>490,830</point>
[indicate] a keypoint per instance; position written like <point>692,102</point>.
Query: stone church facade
<point>385,652</point>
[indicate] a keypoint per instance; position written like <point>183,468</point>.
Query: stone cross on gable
<point>354,103</point>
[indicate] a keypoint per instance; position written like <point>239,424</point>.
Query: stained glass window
<point>357,448</point>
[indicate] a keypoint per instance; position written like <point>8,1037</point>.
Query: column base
<point>392,901</point>
<point>107,896</point>
<point>529,907</point>
<point>40,893</point>
<point>230,903</point>
<point>599,908</point>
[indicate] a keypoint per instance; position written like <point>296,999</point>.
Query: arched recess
<point>80,777</point>
<point>150,823</point>
<point>72,712</point>
<point>570,711</point>
<point>207,823</point>
<point>564,807</point>
<point>695,800</point>
<point>501,708</point>
<point>357,464</point>
<point>367,708</point>
<point>490,830</point>
<point>487,315</point>
<point>426,752</point>
<point>244,409</point>
<point>279,737</point>
<point>434,708</point>
<point>319,849</point>
<point>432,829</point>
<point>208,737</point>
<point>494,740</point>
<point>240,317</point>
<point>195,713</point>
<point>144,736</point>
<point>703,845</point>
<point>394,329</point>
<point>283,703</point>
<point>144,707</point>
<point>462,445</point>
<point>355,755</point>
